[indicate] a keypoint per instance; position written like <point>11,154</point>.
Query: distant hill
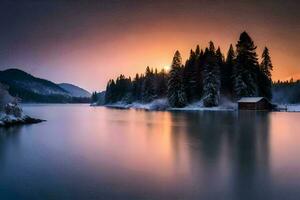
<point>74,90</point>
<point>33,89</point>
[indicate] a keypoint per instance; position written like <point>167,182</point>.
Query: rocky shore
<point>13,115</point>
<point>9,120</point>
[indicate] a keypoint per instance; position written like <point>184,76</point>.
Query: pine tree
<point>227,74</point>
<point>161,84</point>
<point>211,82</point>
<point>176,93</point>
<point>148,90</point>
<point>198,75</point>
<point>211,91</point>
<point>266,65</point>
<point>94,97</point>
<point>246,67</point>
<point>189,77</point>
<point>136,88</point>
<point>264,75</point>
<point>110,92</point>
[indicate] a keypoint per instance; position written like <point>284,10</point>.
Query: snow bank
<point>162,104</point>
<point>293,108</point>
<point>288,107</point>
<point>159,104</point>
<point>198,106</point>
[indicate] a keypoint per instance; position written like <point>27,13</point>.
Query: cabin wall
<point>247,106</point>
<point>264,105</point>
<point>261,105</point>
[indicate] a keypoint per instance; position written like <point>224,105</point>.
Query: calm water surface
<point>97,153</point>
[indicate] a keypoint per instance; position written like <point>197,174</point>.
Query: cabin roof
<point>250,99</point>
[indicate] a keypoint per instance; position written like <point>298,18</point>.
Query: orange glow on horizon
<point>91,61</point>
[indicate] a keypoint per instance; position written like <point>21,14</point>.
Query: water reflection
<point>98,153</point>
<point>231,151</point>
<point>9,137</point>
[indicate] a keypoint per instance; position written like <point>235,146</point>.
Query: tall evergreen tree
<point>148,90</point>
<point>94,97</point>
<point>161,84</point>
<point>264,75</point>
<point>211,82</point>
<point>110,92</point>
<point>189,77</point>
<point>198,75</point>
<point>266,65</point>
<point>136,88</point>
<point>227,74</point>
<point>245,68</point>
<point>176,93</point>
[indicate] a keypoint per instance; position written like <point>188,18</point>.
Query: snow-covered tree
<point>176,93</point>
<point>211,82</point>
<point>211,90</point>
<point>264,75</point>
<point>240,87</point>
<point>246,67</point>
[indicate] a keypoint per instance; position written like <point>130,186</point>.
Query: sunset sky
<point>88,42</point>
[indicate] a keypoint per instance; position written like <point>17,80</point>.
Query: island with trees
<point>207,76</point>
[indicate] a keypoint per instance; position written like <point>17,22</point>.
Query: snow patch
<point>199,106</point>
<point>159,104</point>
<point>162,104</point>
<point>288,107</point>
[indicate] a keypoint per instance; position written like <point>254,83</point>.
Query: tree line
<point>286,91</point>
<point>206,75</point>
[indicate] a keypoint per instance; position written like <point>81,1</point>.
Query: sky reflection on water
<point>97,153</point>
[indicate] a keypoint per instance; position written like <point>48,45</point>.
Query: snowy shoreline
<point>162,105</point>
<point>10,120</point>
<point>13,115</point>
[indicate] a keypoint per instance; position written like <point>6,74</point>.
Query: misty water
<point>83,152</point>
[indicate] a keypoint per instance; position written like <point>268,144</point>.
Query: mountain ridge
<point>33,89</point>
<point>74,90</point>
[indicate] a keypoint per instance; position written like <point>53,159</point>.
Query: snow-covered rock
<point>10,120</point>
<point>13,115</point>
<point>13,109</point>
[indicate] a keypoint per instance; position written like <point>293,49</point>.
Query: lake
<point>84,152</point>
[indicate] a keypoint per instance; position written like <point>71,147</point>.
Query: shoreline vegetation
<point>206,79</point>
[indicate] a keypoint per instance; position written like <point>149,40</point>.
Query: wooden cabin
<point>254,103</point>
